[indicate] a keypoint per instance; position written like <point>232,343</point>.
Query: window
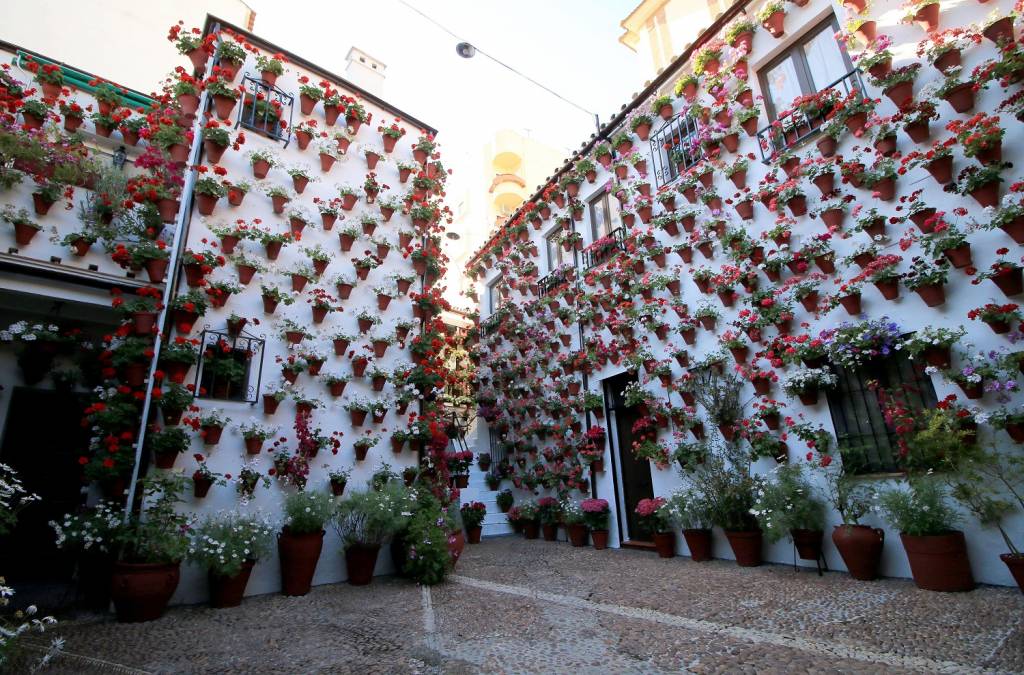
<point>554,250</point>
<point>811,64</point>
<point>263,108</point>
<point>675,148</point>
<point>494,295</point>
<point>230,366</point>
<point>867,444</point>
<point>604,216</point>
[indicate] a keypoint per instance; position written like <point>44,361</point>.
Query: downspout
<point>170,291</point>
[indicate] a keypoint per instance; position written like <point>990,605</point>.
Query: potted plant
<point>151,545</point>
<point>337,479</point>
<point>786,504</point>
<point>528,514</point>
<point>690,510</point>
<point>167,444</point>
<point>730,494</point>
<point>473,514</point>
<point>655,517</point>
<point>227,546</point>
<point>302,538</point>
<point>772,16</point>
<point>365,521</point>
<point>505,500</point>
<point>596,514</point>
<point>937,553</point>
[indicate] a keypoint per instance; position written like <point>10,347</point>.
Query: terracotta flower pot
<point>987,194</point>
<point>665,544</point>
<point>1010,282</point>
<point>299,554</point>
<point>746,546</point>
<point>939,562</point>
<point>961,98</point>
<point>860,548</point>
<point>807,543</point>
<point>900,93</point>
<point>1000,31</point>
<point>600,539</point>
<point>141,591</point>
<point>360,561</point>
<point>228,591</point>
<point>933,295</point>
<point>550,531</point>
<point>699,543</point>
<point>1015,563</point>
<point>577,534</point>
<point>774,24</point>
<point>531,529</point>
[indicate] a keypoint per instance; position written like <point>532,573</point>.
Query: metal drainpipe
<point>170,289</point>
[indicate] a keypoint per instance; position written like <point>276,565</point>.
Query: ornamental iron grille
<point>599,252</point>
<point>866,443</point>
<point>797,127</point>
<point>254,113</point>
<point>681,137</point>
<point>230,366</point>
<point>554,281</point>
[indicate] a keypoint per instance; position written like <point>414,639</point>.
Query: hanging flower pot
<point>746,546</point>
<point>948,59</point>
<point>961,98</point>
<point>890,290</point>
<point>900,92</point>
<point>270,404</point>
<point>299,554</point>
<point>809,396</point>
<point>933,295</point>
<point>987,194</point>
<point>1010,281</point>
<point>927,17</point>
<point>959,256</point>
<point>1000,31</point>
<point>774,24</point>
<point>939,562</point>
<point>826,146</point>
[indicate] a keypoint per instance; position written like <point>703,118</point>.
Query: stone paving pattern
<point>614,611</point>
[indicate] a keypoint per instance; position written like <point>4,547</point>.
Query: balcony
<point>605,248</point>
<point>552,282</point>
<point>679,134</point>
<point>797,127</point>
<point>509,192</point>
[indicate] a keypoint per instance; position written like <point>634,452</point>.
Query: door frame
<point>615,449</point>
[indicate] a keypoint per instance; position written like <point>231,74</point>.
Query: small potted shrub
<point>473,515</point>
<point>937,553</point>
<point>786,504</point>
<point>364,521</point>
<point>227,546</point>
<point>596,514</point>
<point>654,516</point>
<point>302,538</point>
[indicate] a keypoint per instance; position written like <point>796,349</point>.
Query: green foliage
<point>427,559</point>
<point>787,503</point>
<point>919,510</point>
<point>306,512</point>
<point>372,517</point>
<point>221,544</point>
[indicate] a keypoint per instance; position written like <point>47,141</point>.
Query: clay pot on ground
<point>746,546</point>
<point>360,560</point>
<point>141,591</point>
<point>699,543</point>
<point>299,554</point>
<point>939,562</point>
<point>228,591</point>
<point>860,547</point>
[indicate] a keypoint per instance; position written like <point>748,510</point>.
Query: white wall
<point>984,545</point>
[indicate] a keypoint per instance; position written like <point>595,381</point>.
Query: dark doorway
<point>43,439</point>
<point>636,473</point>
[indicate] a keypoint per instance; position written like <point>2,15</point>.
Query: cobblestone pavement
<point>519,606</point>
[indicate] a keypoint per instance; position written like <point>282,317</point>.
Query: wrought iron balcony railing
<point>798,127</point>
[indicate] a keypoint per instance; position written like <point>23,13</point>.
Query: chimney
<point>365,71</point>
